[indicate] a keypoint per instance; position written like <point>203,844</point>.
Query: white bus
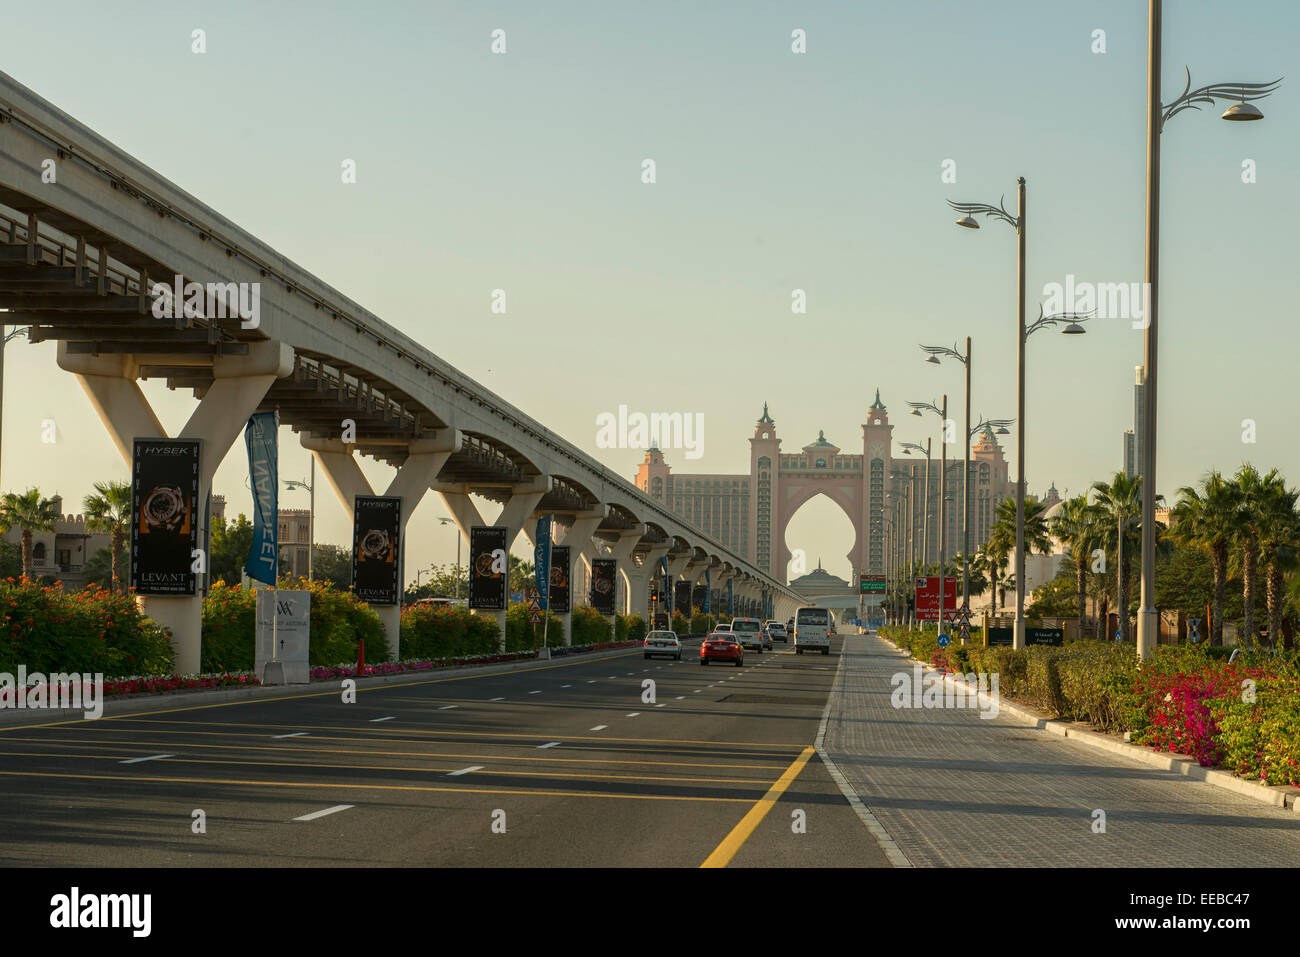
<point>812,630</point>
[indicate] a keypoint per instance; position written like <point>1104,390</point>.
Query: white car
<point>812,630</point>
<point>662,643</point>
<point>749,632</point>
<point>777,630</point>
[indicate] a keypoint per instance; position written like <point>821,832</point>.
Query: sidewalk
<point>954,789</point>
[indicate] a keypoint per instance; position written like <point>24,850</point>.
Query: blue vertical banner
<point>542,560</point>
<point>708,589</point>
<point>264,477</point>
<point>731,599</point>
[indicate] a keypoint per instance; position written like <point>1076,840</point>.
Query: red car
<point>721,646</point>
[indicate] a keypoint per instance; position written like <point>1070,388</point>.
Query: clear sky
<point>775,171</point>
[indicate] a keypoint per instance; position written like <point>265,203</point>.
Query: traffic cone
<point>361,657</point>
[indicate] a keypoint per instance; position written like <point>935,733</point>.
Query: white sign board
<point>287,638</point>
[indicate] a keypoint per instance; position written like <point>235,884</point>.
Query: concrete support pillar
<point>723,577</point>
<point>239,386</point>
<point>621,550</point>
<point>676,566</point>
<point>425,459</point>
<point>514,514</point>
<point>639,580</point>
<point>578,538</point>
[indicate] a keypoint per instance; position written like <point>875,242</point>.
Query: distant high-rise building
<point>1133,438</point>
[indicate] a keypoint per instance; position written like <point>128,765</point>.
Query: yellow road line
<point>316,694</point>
<point>520,792</point>
<point>407,754</point>
<point>724,852</point>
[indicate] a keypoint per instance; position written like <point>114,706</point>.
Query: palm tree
<point>994,557</point>
<point>1003,533</point>
<point>1207,520</point>
<point>1278,526</point>
<point>30,512</point>
<point>1253,491</point>
<point>1075,526</point>
<point>1119,507</point>
<point>978,580</point>
<point>109,511</point>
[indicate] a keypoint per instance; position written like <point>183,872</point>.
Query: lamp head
<point>1073,329</point>
<point>1242,111</point>
<point>969,221</point>
<point>933,359</point>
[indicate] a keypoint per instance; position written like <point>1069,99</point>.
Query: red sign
<point>927,597</point>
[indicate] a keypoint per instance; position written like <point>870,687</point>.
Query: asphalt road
<point>559,763</point>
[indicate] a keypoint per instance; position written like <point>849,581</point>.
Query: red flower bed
<point>1178,707</point>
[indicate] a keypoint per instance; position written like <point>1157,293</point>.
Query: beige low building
<point>63,552</point>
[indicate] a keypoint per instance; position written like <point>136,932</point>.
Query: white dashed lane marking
<point>152,757</point>
<point>448,707</point>
<point>472,767</point>
<point>549,744</point>
<point>291,734</point>
<point>600,727</point>
<point>329,810</point>
<point>389,718</point>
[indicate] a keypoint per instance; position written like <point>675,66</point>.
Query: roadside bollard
<point>361,657</point>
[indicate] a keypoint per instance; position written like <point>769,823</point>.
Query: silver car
<point>662,643</point>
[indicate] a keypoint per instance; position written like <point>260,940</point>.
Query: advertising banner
<point>602,584</point>
<point>708,591</point>
<point>731,599</point>
<point>489,567</point>
<point>376,545</point>
<point>560,571</point>
<point>682,598</point>
<point>927,597</point>
<point>260,437</point>
<point>542,560</point>
<point>164,516</point>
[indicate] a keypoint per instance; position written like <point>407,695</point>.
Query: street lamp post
<point>908,448</point>
<point>965,360</point>
<point>1018,223</point>
<point>1157,114</point>
<point>942,412</point>
<point>447,521</point>
<point>310,486</point>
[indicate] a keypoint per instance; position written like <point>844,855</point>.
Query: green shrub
<point>636,628</point>
<point>338,622</point>
<point>590,627</point>
<point>1261,739</point>
<point>430,632</point>
<point>92,632</point>
<point>523,635</point>
<point>680,624</point>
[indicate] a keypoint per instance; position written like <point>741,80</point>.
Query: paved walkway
<point>955,789</point>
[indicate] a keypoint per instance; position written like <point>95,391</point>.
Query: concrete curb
<point>1281,795</point>
<point>893,852</point>
<point>119,707</point>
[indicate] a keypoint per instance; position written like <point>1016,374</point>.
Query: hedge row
<point>1188,699</point>
<point>338,622</point>
<point>95,631</point>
